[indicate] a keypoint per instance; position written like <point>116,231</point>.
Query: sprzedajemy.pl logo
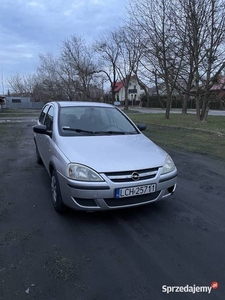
<point>190,288</point>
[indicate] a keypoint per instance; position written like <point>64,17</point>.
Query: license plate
<point>135,191</point>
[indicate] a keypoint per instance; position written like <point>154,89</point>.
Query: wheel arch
<point>51,168</point>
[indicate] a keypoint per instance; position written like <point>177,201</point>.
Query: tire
<point>38,158</point>
<point>57,201</point>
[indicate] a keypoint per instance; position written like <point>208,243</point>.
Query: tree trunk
<point>205,109</point>
<point>185,103</point>
<point>126,99</point>
<point>160,101</point>
<point>158,95</point>
<point>198,109</point>
<point>205,115</point>
<point>169,100</point>
<point>168,106</point>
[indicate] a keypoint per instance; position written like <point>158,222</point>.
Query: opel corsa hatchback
<point>98,159</point>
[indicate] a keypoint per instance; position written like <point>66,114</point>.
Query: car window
<point>78,119</point>
<point>43,114</point>
<point>49,119</point>
<point>120,121</point>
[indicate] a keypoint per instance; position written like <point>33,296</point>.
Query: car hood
<point>113,152</point>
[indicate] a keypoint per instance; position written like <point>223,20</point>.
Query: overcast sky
<point>31,27</point>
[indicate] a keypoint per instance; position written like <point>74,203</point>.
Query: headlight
<point>168,166</point>
<point>82,173</point>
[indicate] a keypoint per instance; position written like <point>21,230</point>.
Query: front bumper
<point>101,195</point>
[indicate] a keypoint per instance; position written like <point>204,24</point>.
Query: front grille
<point>112,202</point>
<point>127,175</point>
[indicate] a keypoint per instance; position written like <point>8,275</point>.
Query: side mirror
<point>42,129</point>
<point>141,127</point>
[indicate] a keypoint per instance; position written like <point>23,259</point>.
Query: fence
<point>154,102</point>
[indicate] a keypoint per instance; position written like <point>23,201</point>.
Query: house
<point>218,87</point>
<point>160,90</point>
<point>135,91</point>
<point>215,89</point>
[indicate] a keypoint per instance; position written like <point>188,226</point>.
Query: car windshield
<point>93,120</point>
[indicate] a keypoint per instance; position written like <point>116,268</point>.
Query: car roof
<point>81,103</point>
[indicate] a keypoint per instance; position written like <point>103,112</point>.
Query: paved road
<point>175,111</point>
<point>120,255</point>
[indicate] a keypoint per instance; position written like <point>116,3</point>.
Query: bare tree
<point>22,84</point>
<point>129,43</point>
<point>210,59</point>
<point>72,74</point>
<point>153,20</point>
<point>28,85</point>
<point>77,57</point>
<point>202,33</point>
<point>184,53</point>
<point>49,77</point>
<point>108,57</point>
<point>184,42</point>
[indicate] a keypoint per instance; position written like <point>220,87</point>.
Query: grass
<point>184,132</point>
<point>214,123</point>
<point>180,131</point>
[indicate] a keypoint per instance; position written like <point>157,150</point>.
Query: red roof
<point>118,85</point>
<point>220,85</point>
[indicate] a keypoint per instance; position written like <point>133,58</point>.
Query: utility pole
<point>3,92</point>
<point>2,81</point>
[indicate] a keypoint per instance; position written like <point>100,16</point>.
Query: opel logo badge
<point>135,176</point>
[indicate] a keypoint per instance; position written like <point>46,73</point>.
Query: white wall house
<point>135,91</point>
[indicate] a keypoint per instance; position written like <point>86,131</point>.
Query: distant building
<point>21,102</point>
<point>159,90</point>
<point>218,87</point>
<point>135,91</point>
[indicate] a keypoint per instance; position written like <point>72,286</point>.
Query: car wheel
<point>58,204</point>
<point>39,160</point>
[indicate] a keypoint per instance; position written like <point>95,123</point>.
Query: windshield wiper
<point>113,132</point>
<point>109,132</point>
<point>97,132</point>
<point>77,130</point>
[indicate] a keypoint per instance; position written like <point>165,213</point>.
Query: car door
<point>39,137</point>
<point>46,140</point>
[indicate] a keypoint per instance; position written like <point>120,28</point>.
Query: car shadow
<point>152,210</point>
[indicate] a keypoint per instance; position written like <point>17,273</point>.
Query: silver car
<point>98,159</point>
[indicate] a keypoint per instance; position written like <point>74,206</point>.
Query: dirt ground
<point>125,254</point>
